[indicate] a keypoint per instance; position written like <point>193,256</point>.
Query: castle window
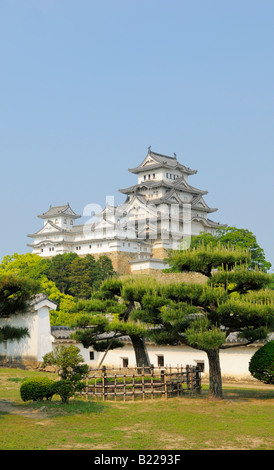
<point>124,361</point>
<point>160,360</point>
<point>153,175</point>
<point>42,249</point>
<point>200,365</point>
<point>65,221</point>
<point>167,175</point>
<point>71,222</point>
<point>91,355</point>
<point>145,177</point>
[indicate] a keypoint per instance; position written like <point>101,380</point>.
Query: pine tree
<point>235,300</point>
<point>15,294</point>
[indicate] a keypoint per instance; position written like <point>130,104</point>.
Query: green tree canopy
<point>235,237</point>
<point>15,294</point>
<point>235,300</point>
<point>71,370</point>
<point>261,365</point>
<point>66,274</point>
<point>204,259</point>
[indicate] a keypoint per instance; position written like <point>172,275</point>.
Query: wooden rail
<point>141,382</point>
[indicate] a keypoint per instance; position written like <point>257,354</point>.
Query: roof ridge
<point>162,155</point>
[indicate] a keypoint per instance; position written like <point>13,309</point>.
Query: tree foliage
<point>261,365</point>
<point>236,238</point>
<point>67,274</point>
<point>15,294</point>
<point>235,300</point>
<point>71,370</point>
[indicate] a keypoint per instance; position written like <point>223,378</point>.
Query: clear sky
<point>86,86</point>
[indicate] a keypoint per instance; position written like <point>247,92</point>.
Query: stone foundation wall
<point>186,277</point>
<point>159,253</point>
<point>120,260</point>
<point>19,362</point>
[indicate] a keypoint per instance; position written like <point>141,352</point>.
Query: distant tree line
<point>72,275</point>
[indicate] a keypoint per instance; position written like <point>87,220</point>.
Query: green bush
<point>261,365</point>
<point>65,389</point>
<point>37,388</point>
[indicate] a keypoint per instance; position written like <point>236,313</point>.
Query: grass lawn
<point>242,421</point>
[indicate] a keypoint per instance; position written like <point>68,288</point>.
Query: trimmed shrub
<point>261,365</point>
<point>65,389</point>
<point>37,388</point>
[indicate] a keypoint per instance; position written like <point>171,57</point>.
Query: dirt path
<point>7,407</point>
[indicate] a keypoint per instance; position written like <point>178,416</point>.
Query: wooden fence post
<point>188,377</point>
<point>198,380</point>
<point>104,381</point>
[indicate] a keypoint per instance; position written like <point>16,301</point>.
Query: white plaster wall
<point>26,347</point>
<point>38,343</point>
<point>234,362</point>
<point>44,343</point>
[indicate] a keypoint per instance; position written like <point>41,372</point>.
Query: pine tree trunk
<point>215,377</point>
<point>141,356</point>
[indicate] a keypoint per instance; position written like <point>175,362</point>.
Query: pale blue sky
<point>86,86</point>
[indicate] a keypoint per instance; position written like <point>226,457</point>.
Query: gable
<point>49,227</point>
<point>149,160</point>
<point>135,206</point>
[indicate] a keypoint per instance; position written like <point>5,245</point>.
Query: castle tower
<point>163,185</point>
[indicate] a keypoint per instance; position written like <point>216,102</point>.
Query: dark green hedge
<point>261,365</point>
<point>37,388</point>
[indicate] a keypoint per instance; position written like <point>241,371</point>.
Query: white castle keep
<point>160,212</point>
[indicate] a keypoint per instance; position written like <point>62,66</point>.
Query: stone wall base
<point>18,362</point>
<point>186,277</point>
<point>120,260</point>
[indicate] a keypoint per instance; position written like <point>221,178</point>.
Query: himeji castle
<point>161,212</point>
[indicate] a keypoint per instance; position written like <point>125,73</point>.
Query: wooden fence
<point>134,383</point>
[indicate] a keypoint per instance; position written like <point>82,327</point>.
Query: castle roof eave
<point>154,184</point>
<point>162,160</point>
<point>155,166</point>
<point>59,210</point>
